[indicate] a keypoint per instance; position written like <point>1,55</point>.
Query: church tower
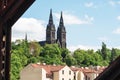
<point>50,31</point>
<point>61,33</point>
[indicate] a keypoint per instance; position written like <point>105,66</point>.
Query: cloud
<point>84,47</point>
<point>88,18</point>
<point>33,27</point>
<point>118,17</point>
<point>70,19</point>
<point>118,2</point>
<point>114,3</point>
<point>103,39</point>
<point>116,31</point>
<point>90,5</point>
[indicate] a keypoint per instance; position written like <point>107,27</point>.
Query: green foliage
<point>70,60</point>
<point>51,54</point>
<point>34,48</point>
<point>114,54</point>
<point>64,53</point>
<point>79,56</point>
<point>19,59</point>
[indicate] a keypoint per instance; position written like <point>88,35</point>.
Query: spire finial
<point>61,20</point>
<point>25,36</point>
<point>50,17</point>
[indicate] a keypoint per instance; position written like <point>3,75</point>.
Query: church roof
<point>42,43</point>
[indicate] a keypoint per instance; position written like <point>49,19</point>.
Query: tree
<point>18,59</point>
<point>51,54</point>
<point>70,60</point>
<point>79,56</point>
<point>97,59</point>
<point>64,53</point>
<point>104,51</point>
<point>35,48</point>
<point>16,66</point>
<point>114,54</point>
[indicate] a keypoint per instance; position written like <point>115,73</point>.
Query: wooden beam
<point>8,48</point>
<point>17,8</point>
<point>16,14</point>
<point>3,9</point>
<point>0,51</point>
<point>9,14</point>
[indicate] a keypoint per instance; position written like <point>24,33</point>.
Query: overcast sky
<point>88,22</point>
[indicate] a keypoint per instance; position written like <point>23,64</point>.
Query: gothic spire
<point>50,17</point>
<point>26,37</point>
<point>61,21</point>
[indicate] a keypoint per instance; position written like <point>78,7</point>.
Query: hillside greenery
<point>24,53</point>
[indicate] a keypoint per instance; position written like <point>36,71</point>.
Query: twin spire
<point>61,23</point>
<point>51,32</point>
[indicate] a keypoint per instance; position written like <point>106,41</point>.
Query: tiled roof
<point>88,70</point>
<point>75,69</point>
<point>48,68</point>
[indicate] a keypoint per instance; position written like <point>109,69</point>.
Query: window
<point>86,78</point>
<point>53,34</point>
<point>63,36</point>
<point>69,72</point>
<point>62,71</point>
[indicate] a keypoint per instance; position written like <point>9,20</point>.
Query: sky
<point>88,22</point>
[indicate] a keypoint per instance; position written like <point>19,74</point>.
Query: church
<point>51,33</point>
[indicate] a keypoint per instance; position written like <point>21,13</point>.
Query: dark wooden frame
<point>10,12</point>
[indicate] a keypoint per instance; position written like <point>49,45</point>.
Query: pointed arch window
<point>53,34</point>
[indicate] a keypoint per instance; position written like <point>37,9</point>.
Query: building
<point>46,72</point>
<point>54,72</point>
<point>51,32</point>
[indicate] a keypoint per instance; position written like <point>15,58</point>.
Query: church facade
<point>53,36</point>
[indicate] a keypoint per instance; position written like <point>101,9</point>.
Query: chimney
<point>38,63</point>
<point>54,64</point>
<point>44,63</point>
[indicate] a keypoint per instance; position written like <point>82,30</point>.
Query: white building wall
<point>44,75</point>
<point>64,74</point>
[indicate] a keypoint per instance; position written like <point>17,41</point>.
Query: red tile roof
<point>48,68</point>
